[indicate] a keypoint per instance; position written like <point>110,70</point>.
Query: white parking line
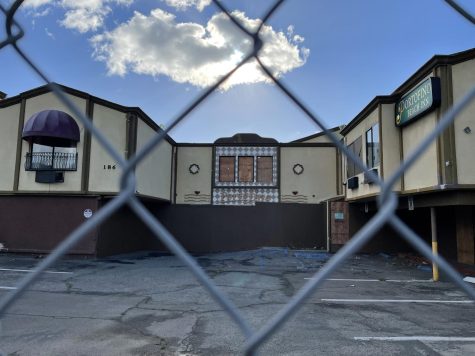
<point>409,280</point>
<point>7,288</point>
<point>414,338</point>
<point>349,279</point>
<point>378,280</point>
<point>398,301</point>
<point>31,270</point>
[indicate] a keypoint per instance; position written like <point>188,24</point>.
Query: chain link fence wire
<point>387,200</point>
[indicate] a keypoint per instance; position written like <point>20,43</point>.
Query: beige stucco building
<point>71,178</point>
<point>390,127</point>
<point>243,191</point>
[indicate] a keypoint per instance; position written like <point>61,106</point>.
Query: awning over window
<point>52,128</point>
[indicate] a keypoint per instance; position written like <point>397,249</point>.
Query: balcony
<point>51,161</point>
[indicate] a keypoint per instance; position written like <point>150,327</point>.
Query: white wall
<point>113,125</point>
<point>463,79</point>
<point>188,184</point>
<point>9,121</point>
<point>154,172</point>
<point>318,180</point>
<point>72,180</point>
<point>390,144</point>
<point>423,174</point>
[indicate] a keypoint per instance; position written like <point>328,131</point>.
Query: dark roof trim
<point>373,105</point>
<point>318,134</point>
<point>435,61</point>
<point>2,95</point>
<point>194,145</point>
<point>420,74</point>
<point>290,144</point>
<point>307,144</point>
<point>126,109</point>
<point>245,138</point>
<point>246,144</point>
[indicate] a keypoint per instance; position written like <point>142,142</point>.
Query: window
<point>49,158</point>
<point>246,169</point>
<point>226,169</point>
<point>351,168</point>
<point>372,146</point>
<point>264,169</point>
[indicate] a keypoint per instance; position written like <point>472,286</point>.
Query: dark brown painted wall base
<point>388,240</point>
<point>231,228</point>
<point>208,228</point>
<point>37,224</point>
<point>123,232</point>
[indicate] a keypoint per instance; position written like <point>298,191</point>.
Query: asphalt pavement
<point>150,304</point>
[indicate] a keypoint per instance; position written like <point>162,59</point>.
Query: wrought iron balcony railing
<point>51,161</point>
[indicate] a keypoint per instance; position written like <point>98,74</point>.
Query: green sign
<point>418,102</point>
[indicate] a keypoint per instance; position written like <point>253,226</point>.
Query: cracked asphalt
<point>150,304</point>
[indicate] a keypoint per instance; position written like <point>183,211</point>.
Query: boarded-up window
<point>226,169</point>
<point>246,169</point>
<point>264,169</point>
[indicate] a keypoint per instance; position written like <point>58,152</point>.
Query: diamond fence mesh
<point>254,338</point>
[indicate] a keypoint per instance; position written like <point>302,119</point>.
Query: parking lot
<point>149,304</point>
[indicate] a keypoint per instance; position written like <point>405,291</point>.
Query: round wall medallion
<point>87,213</point>
<point>194,168</point>
<point>298,169</point>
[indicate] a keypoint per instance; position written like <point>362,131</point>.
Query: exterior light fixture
<point>467,130</point>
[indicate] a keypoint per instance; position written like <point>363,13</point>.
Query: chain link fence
<point>254,338</point>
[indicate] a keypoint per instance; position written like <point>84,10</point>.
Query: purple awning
<point>52,128</point>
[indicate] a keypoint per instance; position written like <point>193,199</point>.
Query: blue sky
<point>160,54</point>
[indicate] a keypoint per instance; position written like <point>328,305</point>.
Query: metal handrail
<point>51,161</point>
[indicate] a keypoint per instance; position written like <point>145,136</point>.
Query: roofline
<point>318,134</point>
<point>421,73</point>
<point>278,144</point>
<point>373,105</point>
<point>435,61</point>
<point>81,94</point>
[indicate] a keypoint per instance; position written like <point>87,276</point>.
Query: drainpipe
<point>433,224</point>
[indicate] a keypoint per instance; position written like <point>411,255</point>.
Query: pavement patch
<point>469,279</point>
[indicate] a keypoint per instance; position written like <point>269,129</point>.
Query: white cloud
<point>185,4</point>
<point>298,39</point>
<point>49,34</point>
<point>42,13</point>
<point>37,3</point>
<point>80,15</point>
<point>191,53</point>
<point>88,15</point>
<point>85,19</point>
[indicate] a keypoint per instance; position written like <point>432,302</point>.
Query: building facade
<point>243,191</point>
<point>443,179</point>
<point>56,176</point>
